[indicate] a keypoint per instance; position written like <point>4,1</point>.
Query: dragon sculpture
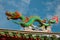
<point>28,21</point>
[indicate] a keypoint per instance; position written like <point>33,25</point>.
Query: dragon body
<point>28,21</point>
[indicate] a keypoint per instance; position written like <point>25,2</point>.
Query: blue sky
<point>42,8</point>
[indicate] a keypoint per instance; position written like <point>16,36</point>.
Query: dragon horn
<point>7,12</point>
<point>18,13</point>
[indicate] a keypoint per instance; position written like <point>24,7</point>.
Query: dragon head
<point>13,15</point>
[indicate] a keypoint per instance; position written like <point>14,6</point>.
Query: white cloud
<point>34,11</point>
<point>1,12</point>
<point>21,6</point>
<point>13,3</point>
<point>1,7</point>
<point>53,5</point>
<point>24,6</point>
<point>0,0</point>
<point>49,5</point>
<point>26,1</point>
<point>49,16</point>
<point>57,11</point>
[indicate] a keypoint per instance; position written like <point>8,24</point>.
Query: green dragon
<point>26,22</point>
